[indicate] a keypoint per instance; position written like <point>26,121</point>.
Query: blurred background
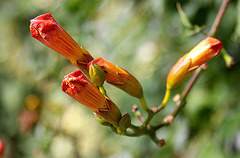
<point>145,37</point>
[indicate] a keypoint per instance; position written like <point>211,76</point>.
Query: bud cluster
<point>76,84</point>
<point>86,85</point>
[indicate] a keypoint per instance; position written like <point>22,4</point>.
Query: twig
<point>218,18</point>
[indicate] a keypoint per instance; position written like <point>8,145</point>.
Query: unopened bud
<point>97,74</point>
<point>169,119</point>
<point>120,78</point>
<point>200,54</point>
<point>48,31</point>
<point>125,121</point>
<point>80,88</point>
<point>161,143</point>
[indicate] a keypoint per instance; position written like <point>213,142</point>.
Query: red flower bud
<point>1,148</point>
<point>48,31</point>
<point>80,88</point>
<point>120,78</point>
<point>200,54</point>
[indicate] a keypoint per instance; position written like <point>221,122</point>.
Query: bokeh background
<point>145,37</point>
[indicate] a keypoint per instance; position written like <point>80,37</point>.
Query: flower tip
<point>77,74</point>
<point>34,31</point>
<point>42,24</point>
<point>70,80</point>
<point>46,16</point>
<point>215,44</point>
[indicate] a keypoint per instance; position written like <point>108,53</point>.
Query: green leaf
<point>184,19</point>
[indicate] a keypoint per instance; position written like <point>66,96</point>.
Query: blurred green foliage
<point>144,37</point>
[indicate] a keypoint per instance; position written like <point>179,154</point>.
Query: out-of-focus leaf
<point>195,30</point>
<point>184,19</point>
<point>190,28</point>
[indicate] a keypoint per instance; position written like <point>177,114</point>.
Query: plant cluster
<point>86,85</point>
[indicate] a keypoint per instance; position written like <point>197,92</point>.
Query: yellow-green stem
<point>165,99</point>
<point>144,104</point>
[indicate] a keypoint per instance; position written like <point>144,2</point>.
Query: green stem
<point>137,131</point>
<point>154,138</point>
<point>165,100</point>
<point>151,113</point>
<point>150,116</point>
<point>144,104</point>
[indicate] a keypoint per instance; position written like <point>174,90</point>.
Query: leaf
<point>184,19</point>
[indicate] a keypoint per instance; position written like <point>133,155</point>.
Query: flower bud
<point>125,121</point>
<point>200,54</point>
<point>120,78</point>
<point>97,74</point>
<point>80,88</point>
<point>48,31</point>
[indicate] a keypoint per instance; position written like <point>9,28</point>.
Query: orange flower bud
<point>48,31</point>
<point>120,78</point>
<point>80,88</point>
<point>200,54</point>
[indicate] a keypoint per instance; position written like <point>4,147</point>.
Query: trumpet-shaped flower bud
<point>120,78</point>
<point>96,74</point>
<point>200,54</point>
<point>80,88</point>
<point>48,31</point>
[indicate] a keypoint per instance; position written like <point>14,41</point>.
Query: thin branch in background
<point>218,18</point>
